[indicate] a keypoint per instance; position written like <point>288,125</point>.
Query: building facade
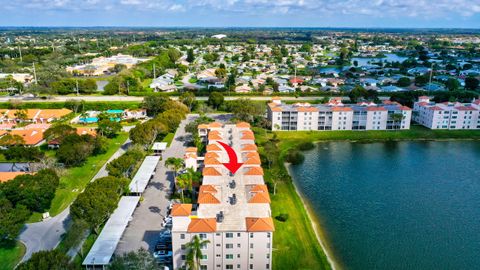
<point>232,211</point>
<point>447,115</point>
<point>338,116</point>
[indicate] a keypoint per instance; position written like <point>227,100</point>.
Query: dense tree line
<point>23,195</point>
<point>98,201</point>
<point>124,165</point>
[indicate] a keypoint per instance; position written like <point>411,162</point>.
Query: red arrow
<point>233,165</point>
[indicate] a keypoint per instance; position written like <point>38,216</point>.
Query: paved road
<point>139,99</point>
<point>143,230</point>
<point>46,235</point>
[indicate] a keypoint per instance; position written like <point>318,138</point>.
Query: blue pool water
<point>89,120</point>
<point>114,111</point>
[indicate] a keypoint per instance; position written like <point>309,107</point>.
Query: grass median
<point>9,257</point>
<point>74,180</point>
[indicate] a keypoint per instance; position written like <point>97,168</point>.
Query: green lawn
<point>74,180</point>
<point>295,245</point>
<point>9,257</point>
<point>289,138</point>
<point>168,138</point>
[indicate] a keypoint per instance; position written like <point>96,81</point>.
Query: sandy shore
<point>316,227</point>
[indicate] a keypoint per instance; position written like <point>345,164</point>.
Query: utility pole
<point>20,50</point>
<point>34,74</point>
<point>76,83</point>
<point>128,88</point>
<point>154,73</point>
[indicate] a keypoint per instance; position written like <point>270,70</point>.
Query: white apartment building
<point>447,115</point>
<point>233,211</point>
<point>338,116</point>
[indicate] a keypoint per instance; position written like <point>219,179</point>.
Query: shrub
<point>306,146</point>
<point>282,217</point>
<point>294,157</point>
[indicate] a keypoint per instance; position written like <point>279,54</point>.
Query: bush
<point>306,146</point>
<point>282,217</point>
<point>294,157</point>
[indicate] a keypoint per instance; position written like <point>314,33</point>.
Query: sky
<point>243,13</point>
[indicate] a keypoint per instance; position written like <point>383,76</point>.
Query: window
<point>217,234</point>
<point>203,236</point>
<point>183,247</point>
<point>267,266</point>
<point>251,255</point>
<point>251,245</point>
<point>228,246</point>
<point>203,246</point>
<point>229,266</point>
<point>183,257</point>
<point>268,255</point>
<point>182,236</point>
<point>238,234</point>
<point>203,267</point>
<point>268,245</point>
<point>251,235</point>
<point>238,245</point>
<point>238,266</point>
<point>229,256</point>
<point>204,257</point>
<point>229,235</point>
<point>238,256</point>
<point>251,266</point>
<point>268,235</point>
<point>218,255</point>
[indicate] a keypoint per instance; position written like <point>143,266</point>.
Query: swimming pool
<point>114,111</point>
<point>88,120</point>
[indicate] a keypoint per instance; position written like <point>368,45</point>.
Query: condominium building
<point>447,115</point>
<point>232,210</point>
<point>338,116</point>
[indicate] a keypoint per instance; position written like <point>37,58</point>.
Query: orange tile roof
<point>53,113</point>
<point>260,197</point>
<point>342,109</point>
<point>252,154</point>
<point>7,176</point>
<point>374,109</point>
<point>254,171</point>
<point>181,210</point>
<point>259,188</point>
<point>207,198</point>
<point>190,155</point>
<point>209,171</point>
<point>215,125</point>
<point>207,188</point>
<point>3,132</point>
<point>243,125</point>
<point>253,161</point>
<point>202,225</point>
<point>203,126</point>
<point>405,108</point>
<point>247,135</point>
<point>259,224</point>
<point>307,109</point>
<point>84,131</point>
<point>248,147</point>
<point>211,161</point>
<point>31,136</point>
<point>214,136</point>
<point>213,147</point>
<point>211,155</point>
<point>276,98</point>
<point>276,109</point>
<point>191,149</point>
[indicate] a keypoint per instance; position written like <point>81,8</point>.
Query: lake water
<point>390,57</point>
<point>403,205</point>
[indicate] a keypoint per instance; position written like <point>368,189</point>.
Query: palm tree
<point>194,254</point>
<point>183,182</point>
<point>174,163</point>
<point>396,117</point>
<point>190,176</point>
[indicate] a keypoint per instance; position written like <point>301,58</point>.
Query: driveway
<point>143,230</point>
<point>46,235</point>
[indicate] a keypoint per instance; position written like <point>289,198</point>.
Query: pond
<point>400,205</point>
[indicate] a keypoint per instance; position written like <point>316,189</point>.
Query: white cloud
<point>374,8</point>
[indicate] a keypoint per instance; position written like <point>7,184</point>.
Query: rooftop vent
<point>233,199</point>
<point>232,184</point>
<point>220,217</point>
